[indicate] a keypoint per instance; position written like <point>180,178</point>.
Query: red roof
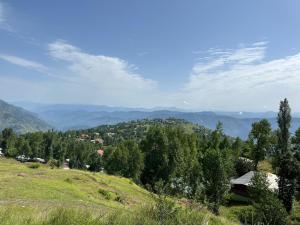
<point>100,152</point>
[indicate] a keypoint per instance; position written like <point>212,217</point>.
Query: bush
<point>106,194</point>
<point>165,209</point>
<point>269,211</point>
<point>120,199</point>
<point>33,165</point>
<point>69,180</point>
<point>53,163</point>
<point>267,208</point>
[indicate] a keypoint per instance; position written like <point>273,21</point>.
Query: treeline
<point>197,165</point>
<point>51,145</point>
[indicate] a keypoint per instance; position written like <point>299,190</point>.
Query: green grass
<point>61,197</point>
<point>42,186</point>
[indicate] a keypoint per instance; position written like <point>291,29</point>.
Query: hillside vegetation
<point>20,120</point>
<point>57,196</point>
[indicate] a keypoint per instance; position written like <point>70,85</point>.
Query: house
<point>66,164</point>
<point>241,184</point>
<point>1,153</point>
<point>110,134</point>
<point>246,159</point>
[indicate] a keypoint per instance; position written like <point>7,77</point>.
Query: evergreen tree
<point>126,160</point>
<point>155,148</point>
<point>287,167</point>
<point>284,123</point>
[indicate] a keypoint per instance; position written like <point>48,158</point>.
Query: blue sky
<point>197,55</point>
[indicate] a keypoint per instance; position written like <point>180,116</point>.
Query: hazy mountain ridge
<point>64,117</point>
<point>20,120</point>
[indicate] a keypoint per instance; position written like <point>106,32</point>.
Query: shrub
<point>165,209</point>
<point>120,199</point>
<point>53,163</point>
<point>267,209</point>
<point>106,194</point>
<point>33,165</point>
<point>68,180</point>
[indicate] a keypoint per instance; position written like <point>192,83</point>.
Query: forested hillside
<point>64,117</point>
<point>20,120</point>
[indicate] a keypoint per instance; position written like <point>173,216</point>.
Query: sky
<point>195,55</point>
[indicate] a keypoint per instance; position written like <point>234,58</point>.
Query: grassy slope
<point>33,193</point>
<point>44,186</point>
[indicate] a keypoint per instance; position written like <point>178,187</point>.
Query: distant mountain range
<point>20,120</point>
<point>64,117</point>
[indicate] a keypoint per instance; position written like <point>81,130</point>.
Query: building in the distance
<point>241,184</point>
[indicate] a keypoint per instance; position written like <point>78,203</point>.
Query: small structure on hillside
<point>66,164</point>
<point>246,159</point>
<point>23,158</point>
<point>240,185</point>
<point>40,160</point>
<point>1,153</point>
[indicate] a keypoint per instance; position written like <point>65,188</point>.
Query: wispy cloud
<point>242,79</point>
<point>223,79</point>
<point>23,62</point>
<point>4,25</point>
<point>216,58</point>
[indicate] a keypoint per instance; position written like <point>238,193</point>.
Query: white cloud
<point>4,25</point>
<point>242,80</point>
<point>103,79</point>
<point>23,62</point>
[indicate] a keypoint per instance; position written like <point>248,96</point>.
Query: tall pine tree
<point>287,167</point>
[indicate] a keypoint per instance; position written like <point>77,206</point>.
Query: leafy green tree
<point>237,147</point>
<point>288,171</point>
<point>215,178</point>
<point>216,136</point>
<point>9,139</point>
<point>260,140</point>
<point>267,209</point>
<point>26,149</point>
<point>95,161</point>
<point>135,160</point>
<point>284,123</point>
<point>287,166</point>
<point>155,148</point>
<point>126,160</point>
